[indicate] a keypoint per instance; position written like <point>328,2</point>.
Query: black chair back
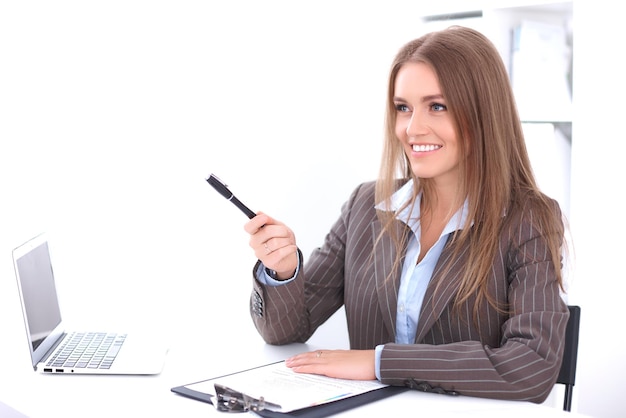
<point>567,374</point>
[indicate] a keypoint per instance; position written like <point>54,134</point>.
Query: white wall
<point>113,113</point>
<point>598,174</point>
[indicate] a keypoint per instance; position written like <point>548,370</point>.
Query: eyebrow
<point>428,98</point>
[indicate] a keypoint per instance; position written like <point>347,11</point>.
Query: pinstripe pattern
<point>516,357</point>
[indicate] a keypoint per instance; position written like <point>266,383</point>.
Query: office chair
<point>567,374</point>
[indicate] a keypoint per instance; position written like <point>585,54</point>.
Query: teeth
<point>425,148</point>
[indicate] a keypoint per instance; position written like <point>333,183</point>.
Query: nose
<point>416,125</point>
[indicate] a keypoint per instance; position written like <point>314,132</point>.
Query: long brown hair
<point>495,171</point>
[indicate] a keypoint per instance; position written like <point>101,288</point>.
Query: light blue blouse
<point>415,276</point>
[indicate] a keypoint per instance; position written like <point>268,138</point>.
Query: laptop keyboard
<point>89,350</point>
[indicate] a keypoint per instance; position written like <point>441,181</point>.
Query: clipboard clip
<point>229,400</point>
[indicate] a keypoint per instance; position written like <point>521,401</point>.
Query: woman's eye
<point>402,107</point>
<point>438,107</point>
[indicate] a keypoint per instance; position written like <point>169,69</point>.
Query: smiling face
<point>424,126</point>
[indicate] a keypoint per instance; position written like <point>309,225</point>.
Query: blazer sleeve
<point>523,361</point>
<point>292,312</point>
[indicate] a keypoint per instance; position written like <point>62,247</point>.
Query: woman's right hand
<point>274,244</point>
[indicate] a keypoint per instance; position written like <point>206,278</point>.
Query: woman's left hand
<point>342,364</point>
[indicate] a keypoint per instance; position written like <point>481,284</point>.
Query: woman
<point>449,265</point>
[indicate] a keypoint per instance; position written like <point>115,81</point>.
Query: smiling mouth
<point>425,148</point>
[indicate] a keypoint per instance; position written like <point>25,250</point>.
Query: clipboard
<point>241,402</point>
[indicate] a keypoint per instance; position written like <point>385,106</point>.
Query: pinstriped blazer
<point>506,356</point>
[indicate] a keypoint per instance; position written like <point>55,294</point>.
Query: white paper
<point>278,384</point>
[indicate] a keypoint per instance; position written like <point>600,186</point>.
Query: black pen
<point>223,190</point>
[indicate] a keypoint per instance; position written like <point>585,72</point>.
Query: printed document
<point>277,384</point>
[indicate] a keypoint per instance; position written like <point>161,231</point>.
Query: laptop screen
<point>40,304</point>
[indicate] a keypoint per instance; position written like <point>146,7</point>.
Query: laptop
<point>52,347</point>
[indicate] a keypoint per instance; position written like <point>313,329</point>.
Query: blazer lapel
<point>387,287</point>
<point>441,289</point>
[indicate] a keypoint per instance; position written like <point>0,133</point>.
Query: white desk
<point>43,396</point>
